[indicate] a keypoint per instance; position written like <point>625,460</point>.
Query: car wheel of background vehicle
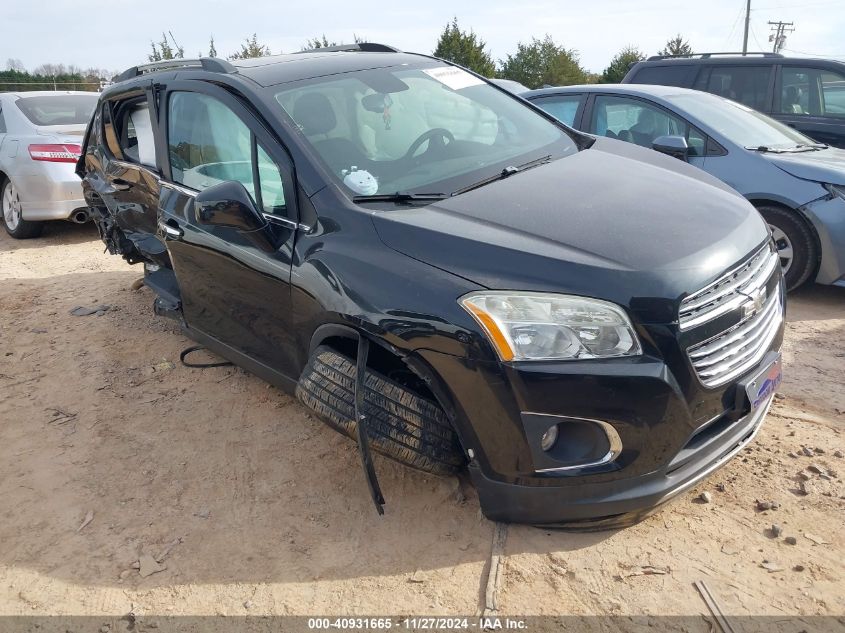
<point>15,225</point>
<point>795,242</point>
<point>402,425</point>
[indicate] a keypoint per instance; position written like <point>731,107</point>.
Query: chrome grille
<point>730,291</point>
<point>733,352</point>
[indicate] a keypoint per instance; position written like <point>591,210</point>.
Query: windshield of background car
<point>739,123</point>
<point>58,109</point>
<point>420,129</point>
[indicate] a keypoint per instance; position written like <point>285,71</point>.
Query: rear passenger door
<point>812,100</point>
<point>233,289</point>
<point>566,108</point>
<point>131,172</point>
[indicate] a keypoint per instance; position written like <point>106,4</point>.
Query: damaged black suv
<point>443,272</point>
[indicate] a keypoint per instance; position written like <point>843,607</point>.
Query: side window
<point>638,122</point>
<point>2,121</point>
<point>674,75</point>
<point>129,131</point>
<point>747,84</point>
<point>561,107</point>
<point>209,144</point>
<point>812,91</point>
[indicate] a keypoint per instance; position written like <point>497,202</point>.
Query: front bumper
<point>828,217</point>
<point>612,503</point>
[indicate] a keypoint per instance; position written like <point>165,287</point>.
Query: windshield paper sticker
<point>454,78</point>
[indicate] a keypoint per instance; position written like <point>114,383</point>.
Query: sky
<point>116,34</point>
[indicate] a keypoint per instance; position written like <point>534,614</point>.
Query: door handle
<point>120,184</point>
<point>170,231</point>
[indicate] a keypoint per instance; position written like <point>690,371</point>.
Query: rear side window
<point>58,109</point>
<point>562,107</point>
<point>128,130</point>
<point>747,84</point>
<point>812,92</point>
<point>208,144</point>
<point>2,121</point>
<point>675,75</point>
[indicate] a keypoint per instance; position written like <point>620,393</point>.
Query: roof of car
<point>734,59</point>
<point>643,90</point>
<point>48,93</point>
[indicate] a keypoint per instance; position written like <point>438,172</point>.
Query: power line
<point>779,36</point>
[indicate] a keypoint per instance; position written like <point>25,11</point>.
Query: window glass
<point>136,139</point>
<point>561,107</point>
<point>423,127</point>
<point>2,121</point>
<point>746,84</point>
<point>812,92</point>
<point>271,184</point>
<point>207,143</point>
<point>58,109</point>
<point>638,122</point>
<point>674,75</point>
<point>739,123</point>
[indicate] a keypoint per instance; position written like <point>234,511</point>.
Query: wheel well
<point>799,214</point>
<point>383,361</point>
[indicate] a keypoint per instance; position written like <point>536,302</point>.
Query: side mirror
<point>228,204</point>
<point>671,146</point>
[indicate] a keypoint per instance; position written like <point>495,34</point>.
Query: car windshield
<point>739,123</point>
<point>423,128</point>
<point>58,109</point>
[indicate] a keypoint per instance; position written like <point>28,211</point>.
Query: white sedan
<point>40,141</point>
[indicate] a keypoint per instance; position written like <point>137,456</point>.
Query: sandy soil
<point>254,507</point>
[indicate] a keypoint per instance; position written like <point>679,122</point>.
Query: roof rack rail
<point>364,47</point>
<point>709,55</point>
<point>211,64</point>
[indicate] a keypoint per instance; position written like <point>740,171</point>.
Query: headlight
<point>544,326</point>
<point>836,190</point>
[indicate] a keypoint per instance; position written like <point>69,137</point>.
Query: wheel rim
<point>11,207</point>
<point>784,246</point>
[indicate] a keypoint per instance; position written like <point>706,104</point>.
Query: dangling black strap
<point>197,348</point>
<point>361,419</point>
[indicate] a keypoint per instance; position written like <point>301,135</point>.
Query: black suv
<point>807,94</point>
<point>443,272</point>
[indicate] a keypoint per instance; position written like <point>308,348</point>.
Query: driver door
<point>234,289</point>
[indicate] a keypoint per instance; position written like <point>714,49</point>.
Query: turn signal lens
<point>58,153</point>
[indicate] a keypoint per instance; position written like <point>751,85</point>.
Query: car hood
<point>825,166</point>
<point>614,221</point>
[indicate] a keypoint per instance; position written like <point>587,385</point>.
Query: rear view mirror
<point>376,102</point>
<point>671,146</point>
<point>228,204</point>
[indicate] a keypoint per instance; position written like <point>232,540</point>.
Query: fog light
<point>549,438</point>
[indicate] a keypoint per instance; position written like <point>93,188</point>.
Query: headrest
<point>314,113</point>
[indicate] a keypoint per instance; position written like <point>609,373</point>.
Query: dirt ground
<point>111,452</point>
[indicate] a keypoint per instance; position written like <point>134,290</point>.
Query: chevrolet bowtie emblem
<point>755,303</point>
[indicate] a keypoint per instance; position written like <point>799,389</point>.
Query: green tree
<point>620,64</point>
<point>163,49</point>
<point>676,46</point>
<point>212,50</point>
<point>251,48</point>
<point>464,48</point>
<point>323,42</point>
<point>543,62</point>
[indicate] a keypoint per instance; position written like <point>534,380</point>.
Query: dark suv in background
<point>807,94</point>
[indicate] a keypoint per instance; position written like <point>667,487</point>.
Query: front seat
<point>792,100</point>
<point>643,132</point>
<point>315,116</point>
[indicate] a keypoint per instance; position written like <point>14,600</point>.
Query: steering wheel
<point>436,137</point>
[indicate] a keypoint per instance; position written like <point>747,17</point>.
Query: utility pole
<point>747,24</point>
<point>779,35</point>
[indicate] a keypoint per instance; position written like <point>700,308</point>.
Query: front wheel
<point>795,242</point>
<point>13,220</point>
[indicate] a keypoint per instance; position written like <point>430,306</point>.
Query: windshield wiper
<point>401,196</point>
<point>813,145</point>
<point>766,149</point>
<point>510,170</point>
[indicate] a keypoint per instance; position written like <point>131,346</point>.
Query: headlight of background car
<point>836,190</point>
<point>545,326</point>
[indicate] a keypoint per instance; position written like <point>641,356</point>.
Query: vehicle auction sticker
<point>454,78</point>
